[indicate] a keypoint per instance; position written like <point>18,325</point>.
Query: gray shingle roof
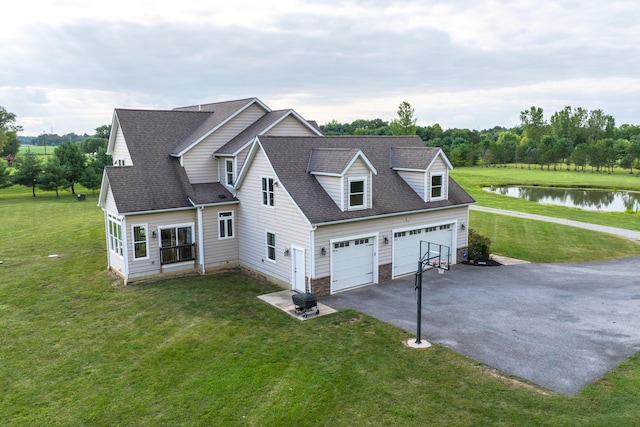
<point>418,158</point>
<point>156,180</point>
<point>218,112</point>
<point>247,135</point>
<point>330,160</point>
<point>290,156</point>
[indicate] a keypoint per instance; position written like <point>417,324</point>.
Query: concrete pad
<point>282,300</point>
<point>507,261</point>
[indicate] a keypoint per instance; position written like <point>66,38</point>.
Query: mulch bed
<point>490,263</point>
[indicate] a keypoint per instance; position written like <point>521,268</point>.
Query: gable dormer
<point>425,169</point>
<point>345,174</point>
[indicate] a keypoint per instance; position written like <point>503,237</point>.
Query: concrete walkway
<point>629,234</point>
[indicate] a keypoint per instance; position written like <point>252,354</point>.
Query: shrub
<point>479,246</point>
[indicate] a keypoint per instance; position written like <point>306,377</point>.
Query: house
<point>235,184</point>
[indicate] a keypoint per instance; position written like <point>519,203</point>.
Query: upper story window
<point>267,192</point>
<point>228,170</point>
<point>437,186</point>
<point>357,193</point>
<point>140,243</point>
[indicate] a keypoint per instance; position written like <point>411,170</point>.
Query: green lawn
<point>76,349</point>
<point>474,178</point>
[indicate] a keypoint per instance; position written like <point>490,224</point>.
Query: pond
<point>587,199</point>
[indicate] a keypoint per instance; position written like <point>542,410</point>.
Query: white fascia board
<point>409,170</point>
<point>366,161</point>
<point>339,175</point>
<point>206,205</point>
<point>104,186</point>
<point>228,119</point>
<point>115,125</point>
<point>252,153</point>
<point>366,218</point>
<point>441,154</point>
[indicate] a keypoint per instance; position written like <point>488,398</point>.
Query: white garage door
<point>406,246</point>
<point>351,263</point>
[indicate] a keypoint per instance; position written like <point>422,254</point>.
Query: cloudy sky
<point>65,65</point>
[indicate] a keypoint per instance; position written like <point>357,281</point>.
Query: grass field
<point>474,178</point>
<point>77,349</point>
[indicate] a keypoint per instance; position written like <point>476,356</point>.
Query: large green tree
<point>28,167</point>
<point>53,176</point>
<point>73,160</point>
<point>8,131</point>
<point>533,123</point>
<point>405,124</point>
<point>92,176</point>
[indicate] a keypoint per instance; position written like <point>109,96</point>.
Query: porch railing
<point>180,253</point>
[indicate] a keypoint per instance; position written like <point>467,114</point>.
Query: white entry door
<point>352,263</point>
<point>298,270</point>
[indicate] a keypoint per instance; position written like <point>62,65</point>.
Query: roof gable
<point>289,158</point>
<point>335,161</point>
<point>416,158</point>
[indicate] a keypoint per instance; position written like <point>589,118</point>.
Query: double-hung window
<point>267,192</point>
<point>228,170</point>
<point>225,225</point>
<point>115,235</point>
<point>357,193</point>
<point>140,243</point>
<point>437,186</point>
<point>271,246</point>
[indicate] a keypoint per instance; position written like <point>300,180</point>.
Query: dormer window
<point>437,190</point>
<point>228,170</point>
<point>357,193</point>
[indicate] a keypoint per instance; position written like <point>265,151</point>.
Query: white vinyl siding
<point>121,154</point>
<point>284,220</point>
<point>290,126</point>
<point>219,251</point>
<point>417,181</point>
<point>333,186</point>
<point>199,163</point>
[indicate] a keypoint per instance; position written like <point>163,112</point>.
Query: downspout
<point>125,247</point>
<point>201,239</point>
<point>312,257</point>
<point>106,234</point>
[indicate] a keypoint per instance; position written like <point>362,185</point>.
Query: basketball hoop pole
<point>419,289</point>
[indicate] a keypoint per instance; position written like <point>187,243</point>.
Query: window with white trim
<point>176,244</point>
<point>115,234</point>
<point>357,193</point>
<point>228,170</point>
<point>267,191</point>
<point>225,225</point>
<point>437,186</point>
<point>140,242</point>
<point>271,246</point>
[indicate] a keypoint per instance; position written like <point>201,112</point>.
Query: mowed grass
<point>76,348</point>
<point>474,178</point>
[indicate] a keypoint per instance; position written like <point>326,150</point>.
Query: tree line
<point>573,137</point>
<point>69,165</point>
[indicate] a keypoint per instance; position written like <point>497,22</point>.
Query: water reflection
<point>592,200</point>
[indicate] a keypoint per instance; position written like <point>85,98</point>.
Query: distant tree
<point>4,175</point>
<point>91,144</point>
<point>53,176</point>
<point>405,124</point>
<point>91,178</point>
<point>8,131</point>
<point>429,132</point>
<point>506,146</point>
<point>73,161</point>
<point>533,123</point>
<point>103,132</point>
<point>580,156</point>
<point>28,167</point>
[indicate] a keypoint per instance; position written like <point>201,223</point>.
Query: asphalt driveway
<point>559,326</point>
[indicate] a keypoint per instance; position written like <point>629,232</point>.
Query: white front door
<point>298,269</point>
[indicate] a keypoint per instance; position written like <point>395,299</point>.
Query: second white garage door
<point>406,246</point>
<point>352,263</point>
